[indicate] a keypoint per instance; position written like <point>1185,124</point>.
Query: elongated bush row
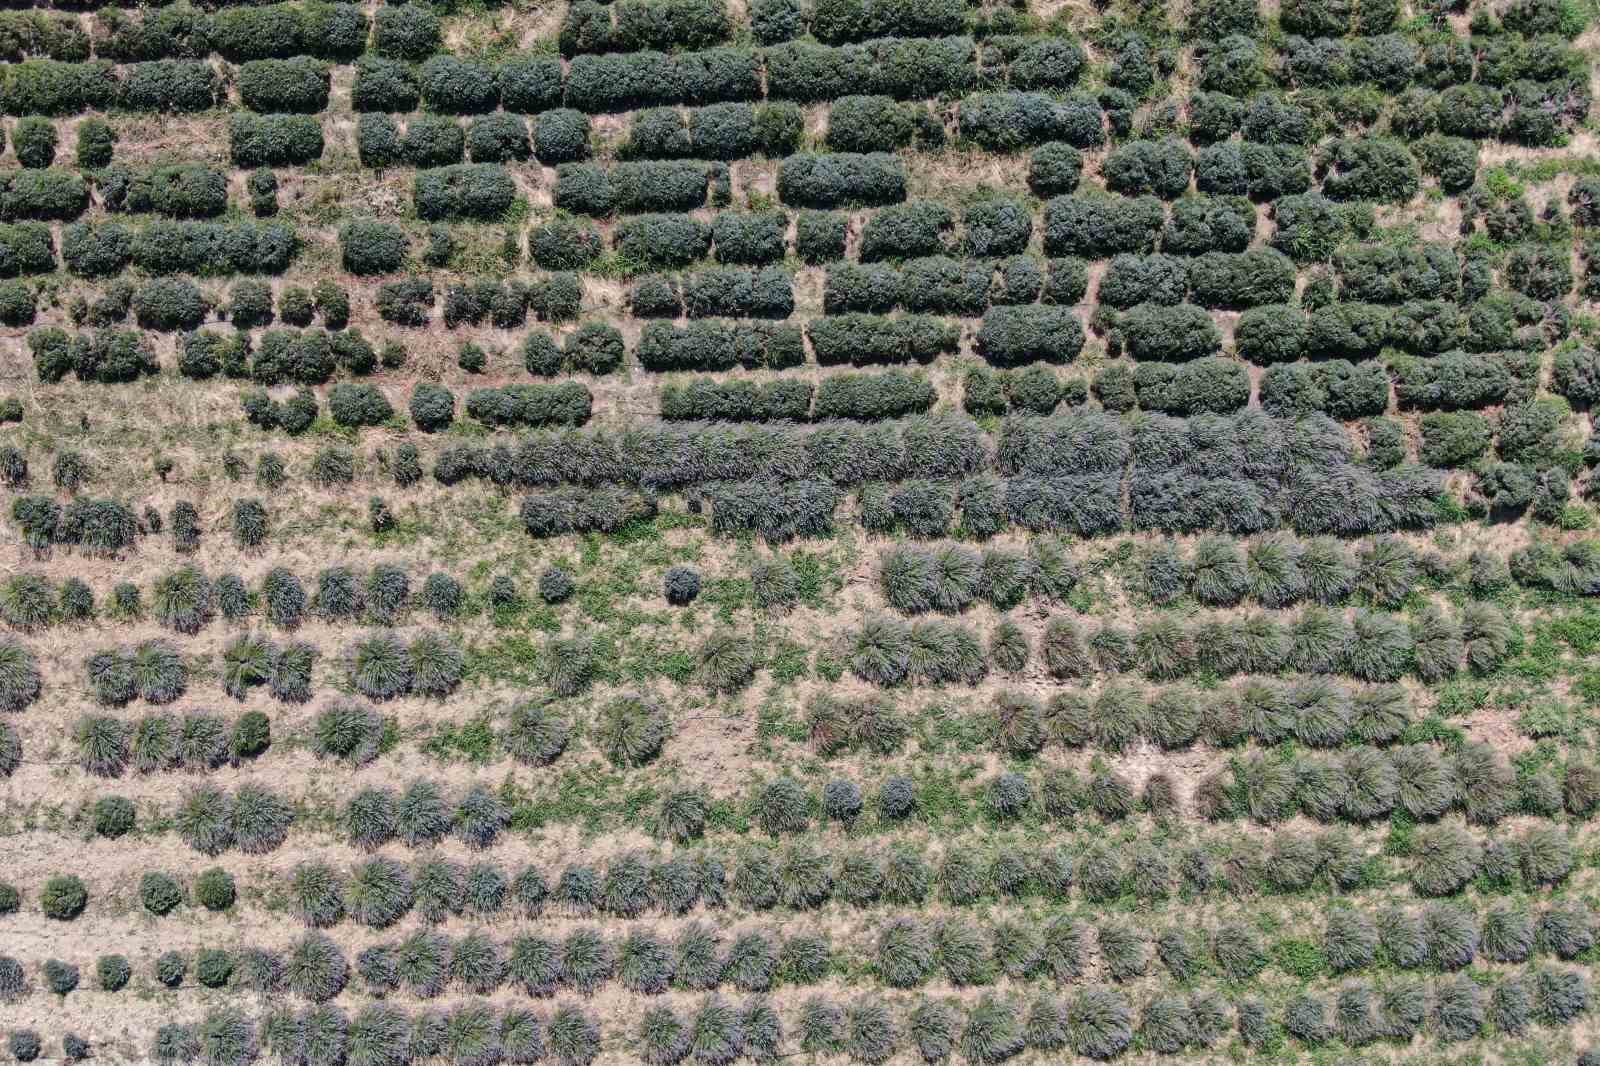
<point>706,399</point>
<point>380,892</point>
<point>719,346</point>
<point>274,140</point>
<point>1186,474</point>
<point>464,191</point>
<point>633,187</point>
<point>565,404</point>
<point>253,818</point>
<point>152,670</point>
<point>841,179</point>
<point>1368,646</point>
<point>98,250</point>
<point>380,667</point>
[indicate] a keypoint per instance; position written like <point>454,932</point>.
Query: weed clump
<point>1445,858</point>
<point>1459,1009</point>
<point>380,667</point>
<point>349,732</point>
<point>1545,856</point>
<point>932,1026</point>
<point>318,894</point>
<point>569,663</point>
<point>631,730</point>
<point>261,819</point>
<point>782,806</point>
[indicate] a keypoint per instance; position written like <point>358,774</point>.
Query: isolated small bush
<point>681,585</point>
<point>555,585</point>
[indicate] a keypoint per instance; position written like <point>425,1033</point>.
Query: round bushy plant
<point>113,816</point>
<point>213,967</point>
<point>897,798</point>
<point>60,977</point>
<point>442,595</point>
<point>63,897</point>
<point>727,661</point>
<point>112,972</point>
<point>536,734</point>
<point>1445,858</point>
<point>1507,934</point>
<point>1546,855</point>
<point>380,667</point>
<point>682,585</point>
<point>485,889</point>
<point>775,584</point>
<point>160,893</point>
<point>252,735</point>
<point>381,892</point>
<point>249,523</point>
<point>663,1037</point>
<point>631,730</point>
<point>782,806</point>
<point>261,819</point>
<point>422,816</point>
<point>214,889</point>
<point>20,680</point>
<point>370,247</point>
<point>13,979</point>
<point>175,1044</point>
<point>370,817</point>
<point>171,968</point>
<point>556,585</point>
<point>96,144</point>
<point>1010,795</point>
<point>683,815</point>
<point>23,1044</point>
<point>10,750</point>
<point>503,593</point>
<point>841,800</point>
<point>34,140</point>
<point>317,893</point>
<point>316,969</point>
<point>480,815</point>
<point>574,1036</point>
<point>347,731</point>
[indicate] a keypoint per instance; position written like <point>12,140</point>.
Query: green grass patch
<point>474,741</point>
<point>1299,958</point>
